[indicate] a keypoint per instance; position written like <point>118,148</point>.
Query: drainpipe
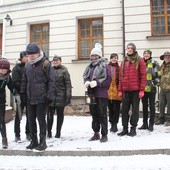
<point>123,26</point>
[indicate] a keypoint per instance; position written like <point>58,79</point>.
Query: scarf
<point>36,59</point>
<point>99,73</point>
<point>116,66</point>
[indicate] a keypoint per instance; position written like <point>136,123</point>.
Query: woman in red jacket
<point>132,83</point>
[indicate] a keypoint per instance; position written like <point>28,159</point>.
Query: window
<point>39,34</point>
<point>1,39</point>
<point>90,31</point>
<point>160,13</point>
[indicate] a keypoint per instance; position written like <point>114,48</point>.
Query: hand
<point>141,94</point>
<point>93,84</point>
<point>68,101</point>
<point>18,100</point>
<point>86,84</point>
<point>120,94</point>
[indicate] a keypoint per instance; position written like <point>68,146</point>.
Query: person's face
<point>32,56</point>
<point>3,71</point>
<point>56,62</point>
<point>114,59</point>
<point>24,59</point>
<point>94,57</point>
<point>167,58</point>
<point>146,55</point>
<point>130,49</point>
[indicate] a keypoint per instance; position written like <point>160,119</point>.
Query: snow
<point>76,132</point>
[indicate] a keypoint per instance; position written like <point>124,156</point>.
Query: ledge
<point>158,37</point>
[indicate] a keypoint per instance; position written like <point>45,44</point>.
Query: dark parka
<point>63,85</point>
<point>38,82</point>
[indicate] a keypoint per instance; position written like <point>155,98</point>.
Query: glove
<point>141,94</point>
<point>86,84</point>
<point>120,94</point>
<point>18,100</point>
<point>68,101</point>
<point>93,84</point>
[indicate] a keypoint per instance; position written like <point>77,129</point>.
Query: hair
<point>113,55</point>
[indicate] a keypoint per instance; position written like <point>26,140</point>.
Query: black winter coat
<point>63,85</point>
<point>38,82</point>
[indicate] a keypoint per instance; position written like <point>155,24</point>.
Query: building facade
<point>70,28</point>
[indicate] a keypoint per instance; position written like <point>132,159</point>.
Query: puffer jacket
<point>63,85</point>
<point>165,77</point>
<point>132,79</point>
<point>38,82</point>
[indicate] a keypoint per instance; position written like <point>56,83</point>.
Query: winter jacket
<point>101,90</point>
<point>132,78</point>
<point>165,77</point>
<point>17,73</point>
<point>113,89</point>
<point>63,85</point>
<point>152,75</point>
<point>38,82</point>
<point>6,81</point>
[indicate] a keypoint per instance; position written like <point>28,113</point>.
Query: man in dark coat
<point>17,73</point>
<point>38,84</point>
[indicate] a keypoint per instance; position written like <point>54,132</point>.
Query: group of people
<point>113,86</point>
<point>42,87</point>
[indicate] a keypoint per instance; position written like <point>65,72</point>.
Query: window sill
<point>159,37</point>
<point>80,61</point>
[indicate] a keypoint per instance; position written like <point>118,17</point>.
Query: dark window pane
<point>85,29</point>
<point>36,32</point>
<point>157,7</point>
<point>97,27</point>
<point>85,48</point>
<point>159,25</point>
<point>45,33</point>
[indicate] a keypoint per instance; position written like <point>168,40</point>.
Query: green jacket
<point>165,77</point>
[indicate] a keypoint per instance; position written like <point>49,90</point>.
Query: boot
<point>124,132</point>
<point>34,142</point>
<point>17,139</point>
<point>160,121</point>
<point>28,137</point>
<point>4,143</point>
<point>104,138</point>
<point>150,128</point>
<point>42,145</point>
<point>96,136</point>
<point>113,128</point>
<point>58,135</point>
<point>49,134</point>
<point>144,126</point>
<point>132,132</point>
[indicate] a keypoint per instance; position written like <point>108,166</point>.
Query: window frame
<point>41,41</point>
<point>165,15</point>
<point>91,38</point>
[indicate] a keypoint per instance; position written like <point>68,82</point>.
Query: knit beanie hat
<point>97,50</point>
<point>147,51</point>
<point>133,46</point>
<point>32,49</point>
<point>4,64</point>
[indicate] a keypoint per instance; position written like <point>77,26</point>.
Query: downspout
<point>123,26</point>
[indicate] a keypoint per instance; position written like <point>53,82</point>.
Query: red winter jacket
<point>132,79</point>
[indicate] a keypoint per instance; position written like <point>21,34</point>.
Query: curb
<point>85,153</point>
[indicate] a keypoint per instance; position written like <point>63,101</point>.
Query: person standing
<point>17,73</point>
<point>38,84</point>
<point>153,79</point>
<point>63,95</point>
<point>5,80</point>
<point>164,96</point>
<point>114,100</point>
<point>132,83</point>
<point>97,80</point>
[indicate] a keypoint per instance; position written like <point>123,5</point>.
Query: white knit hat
<point>97,50</point>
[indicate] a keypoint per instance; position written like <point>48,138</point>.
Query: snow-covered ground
<point>75,134</point>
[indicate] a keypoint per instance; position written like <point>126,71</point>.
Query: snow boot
<point>96,136</point>
<point>150,128</point>
<point>160,121</point>
<point>124,132</point>
<point>34,142</point>
<point>58,135</point>
<point>113,128</point>
<point>104,138</point>
<point>42,145</point>
<point>4,143</point>
<point>132,132</point>
<point>144,126</point>
<point>49,134</point>
<point>17,139</point>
